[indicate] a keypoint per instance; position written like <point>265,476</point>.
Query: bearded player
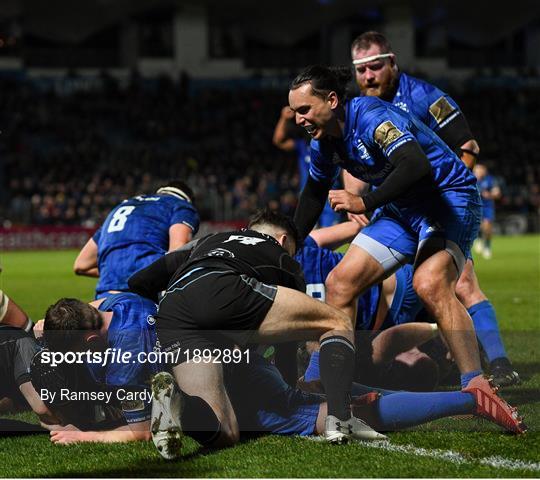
<point>377,74</point>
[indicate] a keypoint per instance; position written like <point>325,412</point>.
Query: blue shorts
<point>264,402</point>
<point>406,304</point>
<point>452,216</point>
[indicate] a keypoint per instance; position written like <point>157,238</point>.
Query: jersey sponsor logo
<point>244,240</point>
<point>364,154</point>
<point>141,198</point>
<point>402,105</point>
<point>440,109</point>
<point>221,252</point>
<point>386,134</point>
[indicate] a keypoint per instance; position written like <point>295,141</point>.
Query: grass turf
<point>512,282</point>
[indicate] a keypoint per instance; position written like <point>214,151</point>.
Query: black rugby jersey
<point>243,251</point>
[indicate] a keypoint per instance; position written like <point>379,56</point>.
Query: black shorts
<point>208,308</point>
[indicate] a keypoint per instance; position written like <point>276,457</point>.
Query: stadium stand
<point>70,155</point>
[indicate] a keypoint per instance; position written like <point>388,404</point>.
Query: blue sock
<point>467,377</point>
<point>312,371</point>
<point>487,329</point>
<point>406,409</point>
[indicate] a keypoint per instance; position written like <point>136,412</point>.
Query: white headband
<point>372,58</point>
<point>175,192</point>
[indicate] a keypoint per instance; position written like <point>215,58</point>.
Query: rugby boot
<point>166,426</point>
<point>503,373</point>
<point>339,431</point>
<point>492,407</point>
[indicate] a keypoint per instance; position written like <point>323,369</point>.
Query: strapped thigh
<point>389,258</point>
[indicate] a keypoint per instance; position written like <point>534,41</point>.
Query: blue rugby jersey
<point>135,234</point>
<point>132,329</point>
<point>373,130</point>
<point>432,106</point>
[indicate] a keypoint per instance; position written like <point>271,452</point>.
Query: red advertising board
<point>56,238</point>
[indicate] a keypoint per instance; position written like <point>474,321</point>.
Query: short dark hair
<point>66,322</point>
<point>179,185</point>
<point>273,218</point>
<point>324,80</point>
<point>366,39</point>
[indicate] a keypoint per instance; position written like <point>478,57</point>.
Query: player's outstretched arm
<point>139,431</point>
<point>310,205</point>
<point>36,404</point>
<point>401,338</point>
<point>86,262</point>
<point>152,280</point>
<point>336,235</point>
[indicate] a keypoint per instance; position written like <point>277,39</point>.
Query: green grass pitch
<point>445,448</point>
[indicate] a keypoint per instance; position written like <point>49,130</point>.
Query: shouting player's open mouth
<point>311,129</point>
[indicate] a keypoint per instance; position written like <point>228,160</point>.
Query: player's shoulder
<point>128,300</point>
<point>420,85</point>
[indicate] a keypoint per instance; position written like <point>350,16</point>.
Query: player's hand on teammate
<point>341,200</point>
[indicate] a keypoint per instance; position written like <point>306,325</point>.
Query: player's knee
<point>430,288</point>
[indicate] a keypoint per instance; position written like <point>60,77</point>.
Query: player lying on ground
<point>264,402</point>
<point>245,285</point>
<point>122,322</point>
<point>137,232</point>
<point>17,349</point>
<point>377,74</point>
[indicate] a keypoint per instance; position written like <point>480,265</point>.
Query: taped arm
<point>410,165</point>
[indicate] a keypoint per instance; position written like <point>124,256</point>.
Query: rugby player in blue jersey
<point>377,75</point>
<point>489,191</point>
<point>136,233</point>
<point>122,322</point>
<point>430,211</point>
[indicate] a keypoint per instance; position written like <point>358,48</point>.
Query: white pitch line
<point>449,455</point>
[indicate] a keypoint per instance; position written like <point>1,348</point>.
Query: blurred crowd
<point>66,159</point>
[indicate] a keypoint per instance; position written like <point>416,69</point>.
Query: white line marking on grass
<point>448,455</point>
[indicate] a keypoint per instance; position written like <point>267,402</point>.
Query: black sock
<point>337,360</point>
<point>199,420</point>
